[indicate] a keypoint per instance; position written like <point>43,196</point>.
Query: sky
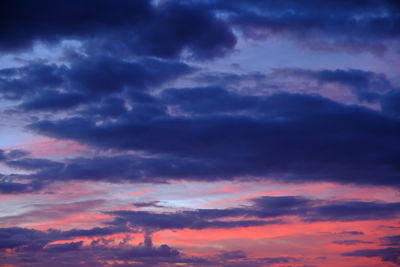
<point>200,133</point>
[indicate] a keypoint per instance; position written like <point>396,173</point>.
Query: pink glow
<point>42,146</point>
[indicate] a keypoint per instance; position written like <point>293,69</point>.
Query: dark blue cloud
<point>184,220</point>
<point>353,211</point>
<point>96,231</point>
<point>352,233</point>
<point>13,154</point>
<point>262,208</point>
<point>287,136</point>
<point>34,164</point>
<point>388,254</point>
<point>135,27</point>
<point>351,242</point>
<point>236,254</point>
<point>54,101</point>
<point>16,83</point>
<point>21,237</point>
<point>351,26</point>
<point>24,21</point>
<point>109,107</point>
<point>178,25</point>
<point>393,240</point>
<point>44,87</point>
<point>65,247</point>
<point>391,103</point>
<point>9,187</point>
<point>25,239</point>
<point>204,29</point>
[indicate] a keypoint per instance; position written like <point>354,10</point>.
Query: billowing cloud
<point>330,143</point>
<point>134,28</point>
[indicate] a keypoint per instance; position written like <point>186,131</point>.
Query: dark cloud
<point>250,136</point>
<point>154,203</point>
<point>96,231</point>
<point>164,251</point>
<point>53,101</point>
<point>27,80</point>
<point>184,220</point>
<point>366,85</point>
<point>111,107</point>
<point>229,255</point>
<point>353,211</point>
<point>204,29</point>
<point>25,22</point>
<point>34,164</point>
<point>276,260</point>
<point>25,239</point>
<point>179,25</point>
<point>65,247</point>
<point>351,242</point>
<point>210,100</point>
<point>34,248</point>
<point>261,208</point>
<point>313,211</point>
<point>351,26</point>
<point>393,240</point>
<point>44,87</point>
<point>391,103</point>
<point>102,75</point>
<point>7,187</point>
<point>21,237</point>
<point>352,233</point>
<point>164,30</point>
<point>13,154</point>
<point>388,254</point>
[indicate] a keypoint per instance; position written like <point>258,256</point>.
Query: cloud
<point>260,211</point>
<point>184,220</point>
<point>366,85</point>
<point>13,154</point>
<point>248,137</point>
<point>21,237</point>
<point>134,28</point>
<point>203,29</point>
<point>391,103</point>
<point>65,247</point>
<point>86,79</point>
<point>393,240</point>
<point>51,212</point>
<point>388,254</point>
<point>353,211</point>
<point>35,248</point>
<point>350,27</point>
<point>19,188</point>
<point>262,208</point>
<point>351,242</point>
<point>352,233</point>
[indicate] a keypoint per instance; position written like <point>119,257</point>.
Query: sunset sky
<point>199,133</point>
